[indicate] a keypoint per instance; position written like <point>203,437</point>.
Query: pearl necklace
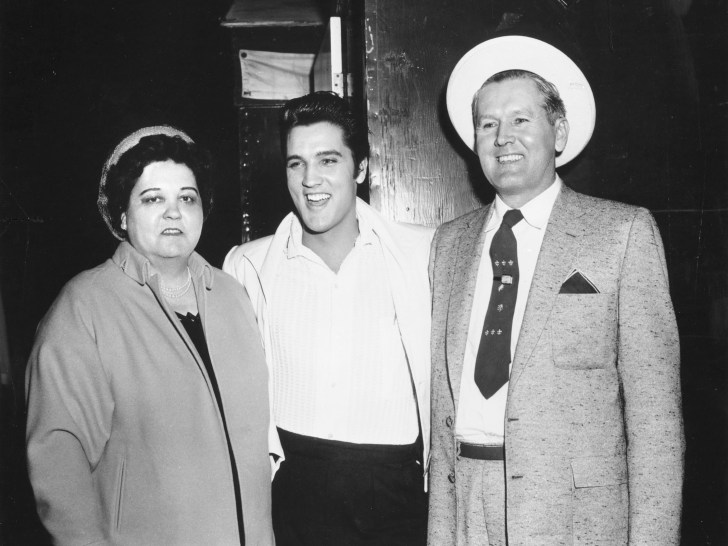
<point>178,291</point>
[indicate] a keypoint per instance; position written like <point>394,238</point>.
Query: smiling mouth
<point>318,198</point>
<point>172,231</point>
<point>510,158</point>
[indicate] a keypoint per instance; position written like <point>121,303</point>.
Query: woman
<point>147,386</point>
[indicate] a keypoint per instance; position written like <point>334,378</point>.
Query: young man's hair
<point>325,106</point>
<point>553,104</point>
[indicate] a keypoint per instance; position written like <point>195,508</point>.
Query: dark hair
<point>329,107</point>
<point>125,173</point>
<point>553,104</point>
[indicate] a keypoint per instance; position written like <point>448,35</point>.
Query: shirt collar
<point>295,246</point>
<point>295,239</point>
<point>366,231</point>
<point>536,212</point>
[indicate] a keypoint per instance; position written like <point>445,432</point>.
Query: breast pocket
<point>584,331</point>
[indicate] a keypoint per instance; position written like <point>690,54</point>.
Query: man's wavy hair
<point>553,104</point>
<point>325,106</point>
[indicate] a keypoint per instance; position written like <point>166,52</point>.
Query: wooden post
<point>419,170</point>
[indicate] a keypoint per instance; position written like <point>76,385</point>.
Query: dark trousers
<point>337,493</point>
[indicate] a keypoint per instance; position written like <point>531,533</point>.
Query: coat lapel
<point>465,276</point>
<point>558,252</point>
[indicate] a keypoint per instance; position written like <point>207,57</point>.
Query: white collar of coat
<point>139,268</point>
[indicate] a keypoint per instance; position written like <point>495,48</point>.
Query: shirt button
<point>451,477</point>
<point>448,422</point>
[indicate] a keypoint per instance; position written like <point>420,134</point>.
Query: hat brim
<point>522,53</point>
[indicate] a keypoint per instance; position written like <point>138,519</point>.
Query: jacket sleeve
<point>236,265</point>
<point>441,523</point>
<point>69,405</point>
<point>241,268</point>
<point>649,369</point>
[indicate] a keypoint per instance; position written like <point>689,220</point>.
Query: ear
<point>123,221</point>
<point>562,134</point>
<point>362,174</point>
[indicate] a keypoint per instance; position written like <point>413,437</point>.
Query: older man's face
<point>515,141</point>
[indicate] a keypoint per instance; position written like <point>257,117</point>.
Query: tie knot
<point>512,217</point>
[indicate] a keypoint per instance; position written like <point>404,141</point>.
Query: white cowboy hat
<point>521,52</point>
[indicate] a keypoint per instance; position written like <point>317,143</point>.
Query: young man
<point>343,303</point>
<point>556,384</point>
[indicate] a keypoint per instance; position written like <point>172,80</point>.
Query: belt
<point>299,445</point>
<point>482,453</point>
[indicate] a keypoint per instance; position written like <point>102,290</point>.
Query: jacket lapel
<point>558,252</point>
<point>462,292</point>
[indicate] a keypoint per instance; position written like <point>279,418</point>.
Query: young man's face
<point>515,141</point>
<point>322,178</point>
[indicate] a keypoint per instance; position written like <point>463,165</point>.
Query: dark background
<point>77,76</point>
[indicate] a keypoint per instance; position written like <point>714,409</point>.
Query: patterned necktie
<point>494,352</point>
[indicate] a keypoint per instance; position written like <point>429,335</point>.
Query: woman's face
<point>163,220</point>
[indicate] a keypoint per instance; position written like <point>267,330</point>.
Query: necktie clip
<point>504,279</point>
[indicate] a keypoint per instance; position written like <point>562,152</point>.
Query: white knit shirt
<point>339,369</point>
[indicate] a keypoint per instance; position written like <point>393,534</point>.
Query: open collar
<point>139,268</point>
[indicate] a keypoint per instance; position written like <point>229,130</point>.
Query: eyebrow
<point>318,154</point>
<point>517,112</point>
<point>181,189</point>
<point>524,111</point>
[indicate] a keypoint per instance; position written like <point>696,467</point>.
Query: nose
<point>503,136</point>
<point>172,210</point>
<point>310,177</point>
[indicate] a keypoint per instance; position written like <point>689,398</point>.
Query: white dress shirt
<point>481,421</point>
<point>339,369</point>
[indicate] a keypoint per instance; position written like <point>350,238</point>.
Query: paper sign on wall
<point>271,75</point>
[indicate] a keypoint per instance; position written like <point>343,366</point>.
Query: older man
<point>344,305</point>
<point>556,394</point>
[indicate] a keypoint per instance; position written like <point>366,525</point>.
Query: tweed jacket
<point>406,251</point>
<point>125,441</point>
<point>593,427</point>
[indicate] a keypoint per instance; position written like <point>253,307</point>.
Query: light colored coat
<point>125,440</point>
<point>406,250</point>
<point>593,426</point>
